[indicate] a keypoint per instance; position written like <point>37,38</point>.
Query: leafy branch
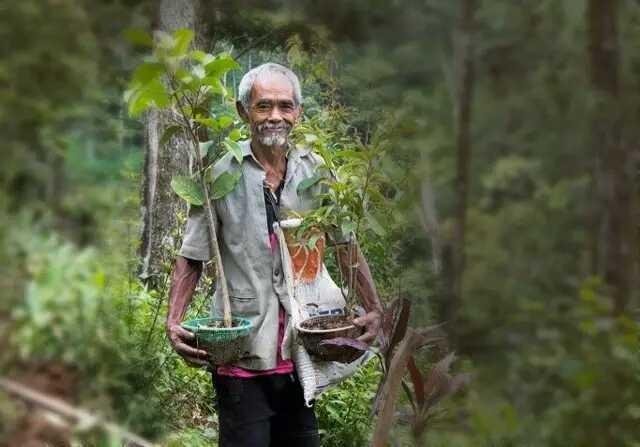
<point>184,81</point>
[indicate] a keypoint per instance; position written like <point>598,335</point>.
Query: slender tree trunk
<point>612,176</point>
<point>160,206</point>
<point>429,221</point>
<point>464,63</point>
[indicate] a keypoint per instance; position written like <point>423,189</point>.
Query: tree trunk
<point>612,176</point>
<point>464,63</point>
<point>160,206</point>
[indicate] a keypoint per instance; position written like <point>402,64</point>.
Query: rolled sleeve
<point>195,243</point>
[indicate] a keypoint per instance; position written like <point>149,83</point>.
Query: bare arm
<point>184,279</point>
<point>364,287</point>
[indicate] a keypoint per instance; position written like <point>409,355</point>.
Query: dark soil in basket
<point>334,323</point>
<point>220,324</point>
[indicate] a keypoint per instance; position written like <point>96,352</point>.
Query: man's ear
<point>242,112</point>
<point>299,115</point>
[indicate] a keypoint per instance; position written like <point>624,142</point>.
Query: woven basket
<point>224,345</point>
<point>311,338</point>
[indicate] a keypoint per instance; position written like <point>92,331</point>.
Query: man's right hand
<point>182,342</point>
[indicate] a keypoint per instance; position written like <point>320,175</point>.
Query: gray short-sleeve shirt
<point>254,273</point>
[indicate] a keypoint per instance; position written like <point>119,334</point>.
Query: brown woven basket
<point>311,337</point>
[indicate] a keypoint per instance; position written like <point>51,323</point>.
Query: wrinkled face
<point>273,111</point>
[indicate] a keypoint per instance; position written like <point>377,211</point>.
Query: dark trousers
<point>264,411</point>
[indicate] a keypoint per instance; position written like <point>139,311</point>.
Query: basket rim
<point>194,325</point>
<point>320,331</point>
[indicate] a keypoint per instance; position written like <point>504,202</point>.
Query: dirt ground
<point>31,425</point>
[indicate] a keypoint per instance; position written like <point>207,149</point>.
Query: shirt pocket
<point>244,302</point>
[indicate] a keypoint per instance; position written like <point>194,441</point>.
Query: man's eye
<point>287,108</point>
<point>263,107</point>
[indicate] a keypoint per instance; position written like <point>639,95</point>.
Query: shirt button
<point>277,272</point>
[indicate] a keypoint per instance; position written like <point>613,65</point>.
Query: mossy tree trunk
<point>160,206</point>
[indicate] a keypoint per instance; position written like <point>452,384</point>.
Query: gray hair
<point>247,81</point>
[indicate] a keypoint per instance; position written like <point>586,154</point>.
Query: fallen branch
<point>84,420</point>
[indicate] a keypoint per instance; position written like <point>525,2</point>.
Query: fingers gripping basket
<point>224,345</point>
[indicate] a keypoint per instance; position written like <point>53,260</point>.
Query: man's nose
<point>275,116</point>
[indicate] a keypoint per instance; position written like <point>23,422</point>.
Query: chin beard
<point>273,141</point>
<point>273,137</point>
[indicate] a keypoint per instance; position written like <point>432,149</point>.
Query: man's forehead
<point>270,85</point>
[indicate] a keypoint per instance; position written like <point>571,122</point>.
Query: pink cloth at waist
<point>282,367</point>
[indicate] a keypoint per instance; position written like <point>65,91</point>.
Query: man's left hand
<point>371,322</point>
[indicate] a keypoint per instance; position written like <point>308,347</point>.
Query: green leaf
<point>215,84</point>
<point>235,135</point>
<point>168,133</point>
<point>374,225</point>
<point>147,72</point>
<point>147,95</point>
<point>225,183</point>
<point>347,228</point>
<point>308,183</point>
<point>205,147</point>
<point>188,189</point>
<point>311,243</point>
<point>183,38</point>
<point>225,121</point>
<point>310,138</point>
<point>220,65</point>
<point>138,37</point>
<point>210,123</point>
<point>234,148</point>
<point>202,57</point>
<point>198,71</point>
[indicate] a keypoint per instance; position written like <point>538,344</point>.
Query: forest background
<point>511,211</point>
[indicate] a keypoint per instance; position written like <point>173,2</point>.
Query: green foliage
<point>189,82</point>
<point>188,189</point>
<point>551,365</point>
<point>350,178</point>
<point>224,183</point>
<point>344,413</point>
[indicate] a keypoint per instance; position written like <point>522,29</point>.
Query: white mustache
<point>264,127</point>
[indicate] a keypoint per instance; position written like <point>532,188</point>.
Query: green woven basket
<point>224,345</point>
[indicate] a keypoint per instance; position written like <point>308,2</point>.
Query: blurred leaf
<point>374,225</point>
<point>417,381</point>
<point>210,123</point>
<point>215,85</point>
<point>234,148</point>
<point>202,57</point>
<point>235,135</point>
<point>182,40</point>
<point>225,183</point>
<point>311,243</point>
<point>220,65</point>
<point>225,121</point>
<point>205,148</point>
<point>188,189</point>
<point>139,37</point>
<point>147,72</point>
<point>308,183</point>
<point>150,94</point>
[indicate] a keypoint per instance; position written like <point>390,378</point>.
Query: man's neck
<point>269,157</point>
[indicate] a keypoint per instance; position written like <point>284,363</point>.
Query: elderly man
<point>259,399</point>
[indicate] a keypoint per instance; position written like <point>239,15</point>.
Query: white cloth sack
<point>320,297</point>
